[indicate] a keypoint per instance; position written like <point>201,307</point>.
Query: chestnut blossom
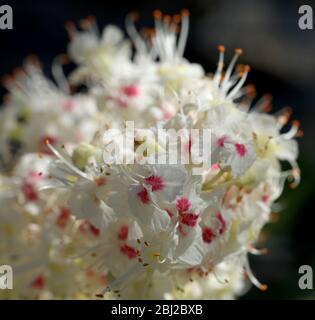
<point>77,223</point>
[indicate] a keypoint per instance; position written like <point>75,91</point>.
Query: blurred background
<point>282,58</point>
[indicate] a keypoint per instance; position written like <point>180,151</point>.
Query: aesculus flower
<point>77,223</point>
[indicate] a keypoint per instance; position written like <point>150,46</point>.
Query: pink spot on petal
<point>128,251</point>
<point>131,90</point>
<point>123,233</point>
<point>156,182</point>
<point>29,192</point>
<point>182,204</point>
<point>240,149</point>
<point>63,217</point>
<point>38,283</point>
<point>167,115</point>
<point>143,195</point>
<point>36,176</point>
<point>207,235</point>
<point>69,105</point>
<point>87,226</point>
<point>221,142</point>
<point>222,223</point>
<point>100,181</point>
<point>265,198</point>
<point>189,219</point>
<point>215,166</point>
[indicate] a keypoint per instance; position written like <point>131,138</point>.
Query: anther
<point>221,48</point>
<point>238,51</point>
<point>134,15</point>
<point>185,13</point>
<point>70,27</point>
<point>296,123</point>
<point>157,14</point>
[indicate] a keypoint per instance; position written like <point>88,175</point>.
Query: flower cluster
<point>74,226</point>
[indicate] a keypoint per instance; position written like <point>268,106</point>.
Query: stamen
<point>71,29</point>
<point>240,83</point>
<point>218,73</point>
<point>58,73</point>
<point>256,251</point>
<point>252,278</point>
<point>230,68</point>
<point>67,163</point>
<point>183,33</point>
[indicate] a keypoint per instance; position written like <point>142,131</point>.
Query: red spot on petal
<point>156,182</point>
<point>183,204</point>
<point>35,176</point>
<point>222,222</point>
<point>128,251</point>
<point>131,90</point>
<point>123,233</point>
<point>215,166</point>
<point>167,115</point>
<point>29,192</point>
<point>207,235</point>
<point>100,181</point>
<point>144,196</point>
<point>265,198</point>
<point>189,219</point>
<point>63,217</point>
<point>38,283</point>
<point>240,149</point>
<point>69,105</point>
<point>88,227</point>
<point>221,141</point>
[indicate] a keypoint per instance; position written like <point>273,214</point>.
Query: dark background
<point>282,58</point>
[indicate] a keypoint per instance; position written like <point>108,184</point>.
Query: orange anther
<point>185,13</point>
<point>238,51</point>
<point>221,48</point>
<point>157,14</point>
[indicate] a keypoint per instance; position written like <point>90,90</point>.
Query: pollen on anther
<point>157,14</point>
<point>185,13</point>
<point>221,48</point>
<point>238,51</point>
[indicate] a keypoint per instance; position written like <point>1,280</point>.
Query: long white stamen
<point>134,34</point>
<point>59,75</point>
<point>239,84</point>
<point>183,33</point>
<point>230,68</point>
<point>218,74</point>
<point>252,278</point>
